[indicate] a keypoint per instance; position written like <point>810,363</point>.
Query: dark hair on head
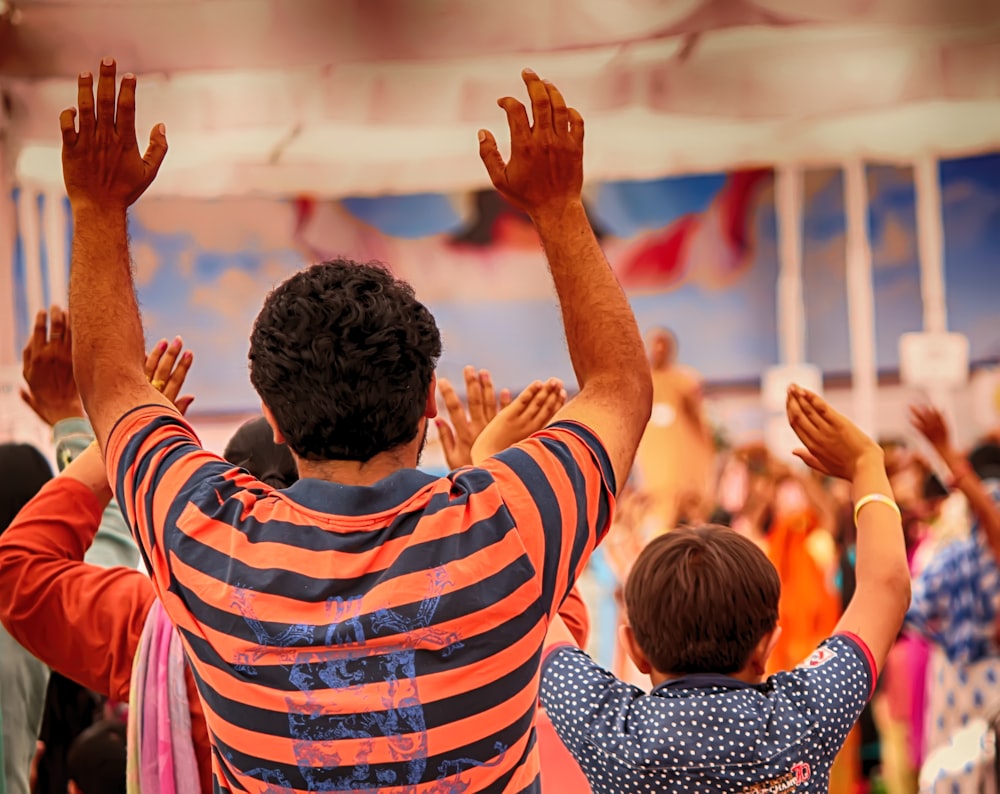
<point>343,355</point>
<point>985,460</point>
<point>97,759</point>
<point>700,599</point>
<point>252,448</point>
<point>23,472</point>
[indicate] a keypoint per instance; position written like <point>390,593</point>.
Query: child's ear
<point>627,638</point>
<point>764,650</point>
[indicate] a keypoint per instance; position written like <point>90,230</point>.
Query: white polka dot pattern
<point>723,737</point>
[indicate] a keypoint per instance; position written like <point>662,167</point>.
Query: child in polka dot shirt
<point>702,620</point>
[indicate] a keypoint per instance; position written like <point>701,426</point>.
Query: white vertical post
<point>54,223</point>
<point>8,324</point>
<point>860,297</point>
<point>930,249</point>
<point>930,243</point>
<point>791,309</point>
<point>27,213</point>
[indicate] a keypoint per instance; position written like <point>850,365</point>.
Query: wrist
<point>557,213</point>
<point>60,413</point>
<point>871,455</point>
<point>953,460</point>
<point>96,211</point>
<point>960,468</point>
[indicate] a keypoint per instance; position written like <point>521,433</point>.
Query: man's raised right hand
<point>545,169</point>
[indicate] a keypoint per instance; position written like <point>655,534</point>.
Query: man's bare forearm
<point>601,332</point>
<point>107,331</point>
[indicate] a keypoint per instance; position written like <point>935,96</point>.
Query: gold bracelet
<point>880,499</point>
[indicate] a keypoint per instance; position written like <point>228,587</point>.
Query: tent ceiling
<point>338,97</point>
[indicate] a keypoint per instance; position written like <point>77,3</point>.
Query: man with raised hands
<point>371,627</point>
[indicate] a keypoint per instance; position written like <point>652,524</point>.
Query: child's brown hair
<point>699,600</point>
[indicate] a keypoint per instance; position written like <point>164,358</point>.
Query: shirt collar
<point>386,495</point>
<point>705,681</point>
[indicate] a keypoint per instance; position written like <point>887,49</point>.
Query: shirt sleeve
<point>580,697</point>
<point>155,461</point>
<point>113,544</point>
<point>559,488</point>
<point>832,687</point>
<point>81,620</point>
<point>574,613</point>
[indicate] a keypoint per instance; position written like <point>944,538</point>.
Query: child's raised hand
<point>833,443</point>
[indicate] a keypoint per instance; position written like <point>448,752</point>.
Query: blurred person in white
<point>23,679</point>
<point>955,606</point>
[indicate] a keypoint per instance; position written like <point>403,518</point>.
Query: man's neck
<point>352,472</point>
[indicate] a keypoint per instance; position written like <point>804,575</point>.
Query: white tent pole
<point>930,243</point>
<point>8,301</point>
<point>27,213</point>
<point>791,309</point>
<point>930,247</point>
<point>54,223</point>
<point>860,297</point>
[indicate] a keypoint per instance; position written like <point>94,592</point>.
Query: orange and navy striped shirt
<point>382,638</point>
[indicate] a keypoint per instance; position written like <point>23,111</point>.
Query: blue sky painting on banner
<point>970,193</point>
<point>970,197</point>
<point>697,254</point>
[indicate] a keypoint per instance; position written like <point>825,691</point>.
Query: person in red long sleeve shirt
<point>83,620</point>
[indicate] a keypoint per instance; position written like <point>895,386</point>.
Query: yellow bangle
<point>880,499</point>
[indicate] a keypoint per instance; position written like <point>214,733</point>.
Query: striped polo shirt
<point>384,638</point>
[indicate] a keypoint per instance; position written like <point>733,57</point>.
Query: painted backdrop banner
<point>696,254</point>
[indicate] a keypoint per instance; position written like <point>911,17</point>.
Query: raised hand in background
<point>167,368</point>
<point>529,412</point>
<point>930,423</point>
<point>47,367</point>
<point>483,404</point>
<point>493,422</point>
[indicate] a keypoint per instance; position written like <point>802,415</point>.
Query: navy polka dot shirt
<point>709,732</point>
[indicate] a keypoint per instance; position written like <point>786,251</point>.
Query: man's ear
<point>628,641</point>
<point>279,437</point>
<point>431,409</point>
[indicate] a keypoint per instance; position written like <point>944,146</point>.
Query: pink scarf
<point>161,757</point>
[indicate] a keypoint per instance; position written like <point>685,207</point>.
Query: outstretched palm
<point>102,165</point>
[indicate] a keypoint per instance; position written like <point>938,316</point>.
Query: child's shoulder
<point>841,663</point>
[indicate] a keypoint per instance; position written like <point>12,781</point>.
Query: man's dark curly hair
<point>343,355</point>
